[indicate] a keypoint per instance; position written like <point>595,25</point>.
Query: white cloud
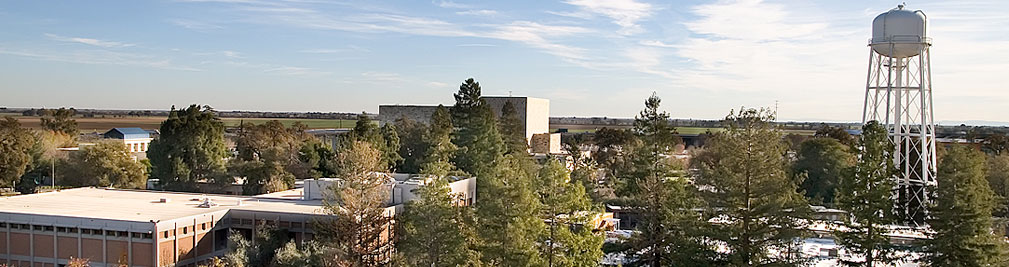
<point>477,12</point>
<point>195,25</point>
<point>655,43</point>
<point>625,13</point>
<point>88,41</point>
<point>100,57</point>
<point>536,35</point>
<point>451,4</point>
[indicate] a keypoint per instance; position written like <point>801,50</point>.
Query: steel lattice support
<point>898,94</point>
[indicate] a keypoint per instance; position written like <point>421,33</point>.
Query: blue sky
<point>589,57</point>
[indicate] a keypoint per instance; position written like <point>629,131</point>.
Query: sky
<point>589,57</point>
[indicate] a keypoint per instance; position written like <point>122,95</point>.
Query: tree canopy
<point>105,164</point>
<point>190,149</point>
<point>822,162</point>
<point>15,146</point>
<point>745,184</point>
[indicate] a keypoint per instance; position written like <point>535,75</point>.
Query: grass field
<point>103,124</point>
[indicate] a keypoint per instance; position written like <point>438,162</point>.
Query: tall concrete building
<point>533,112</point>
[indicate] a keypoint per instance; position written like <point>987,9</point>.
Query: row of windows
<point>141,147</point>
<point>281,224</point>
<point>74,230</point>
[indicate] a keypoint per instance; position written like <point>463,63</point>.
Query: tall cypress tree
<point>189,149</point>
<point>667,226</point>
<point>512,130</point>
<point>749,192</point>
<point>961,216</point>
<point>476,135</point>
<point>866,195</point>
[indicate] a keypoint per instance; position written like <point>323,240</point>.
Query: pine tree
<point>357,206</point>
<point>961,214</point>
<point>476,135</point>
<point>440,150</point>
<point>749,192</point>
<point>866,195</point>
<point>570,240</point>
<point>667,227</point>
<point>510,227</point>
<point>512,130</point>
<point>190,149</point>
<point>435,230</point>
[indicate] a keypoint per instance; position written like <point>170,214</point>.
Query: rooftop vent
<point>207,203</point>
<point>164,200</point>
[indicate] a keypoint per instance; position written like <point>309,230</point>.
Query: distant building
<point>533,112</point>
<point>136,140</point>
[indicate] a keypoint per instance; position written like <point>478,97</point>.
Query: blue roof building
<point>127,133</point>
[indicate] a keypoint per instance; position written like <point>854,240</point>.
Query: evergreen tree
<point>189,149</point>
<point>390,149</point>
<point>512,130</point>
<point>749,192</point>
<point>269,156</point>
<point>836,133</point>
<point>570,240</point>
<point>998,180</point>
<point>412,144</point>
<point>667,227</point>
<point>961,214</point>
<point>823,161</point>
<point>440,150</point>
<point>476,133</point>
<point>435,231</point>
<point>105,164</point>
<point>15,147</point>
<point>510,227</point>
<point>357,208</point>
<point>866,195</point>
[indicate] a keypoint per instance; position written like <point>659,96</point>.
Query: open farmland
<point>98,124</point>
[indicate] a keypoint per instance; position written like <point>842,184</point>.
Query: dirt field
<point>104,124</point>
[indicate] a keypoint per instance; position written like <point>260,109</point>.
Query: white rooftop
<point>145,206</point>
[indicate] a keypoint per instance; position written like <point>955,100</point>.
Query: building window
<point>185,230</point>
<point>61,229</point>
<point>37,227</point>
<point>71,230</point>
<point>109,233</point>
<point>86,231</point>
<point>4,225</point>
<point>165,234</point>
<point>146,236</point>
<point>203,226</point>
<point>49,228</point>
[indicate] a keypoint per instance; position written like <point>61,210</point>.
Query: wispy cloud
<point>87,41</point>
<point>195,25</point>
<point>451,4</point>
<point>476,45</point>
<point>537,35</point>
<point>625,13</point>
<point>225,53</point>
<point>100,57</point>
<point>477,12</point>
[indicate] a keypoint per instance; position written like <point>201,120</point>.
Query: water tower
<point>898,94</point>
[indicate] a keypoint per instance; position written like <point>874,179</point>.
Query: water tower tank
<point>903,29</point>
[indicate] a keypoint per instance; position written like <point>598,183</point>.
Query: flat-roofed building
<point>112,227</point>
<point>141,228</point>
<point>533,112</point>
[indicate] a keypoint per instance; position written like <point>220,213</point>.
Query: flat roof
<point>145,206</point>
